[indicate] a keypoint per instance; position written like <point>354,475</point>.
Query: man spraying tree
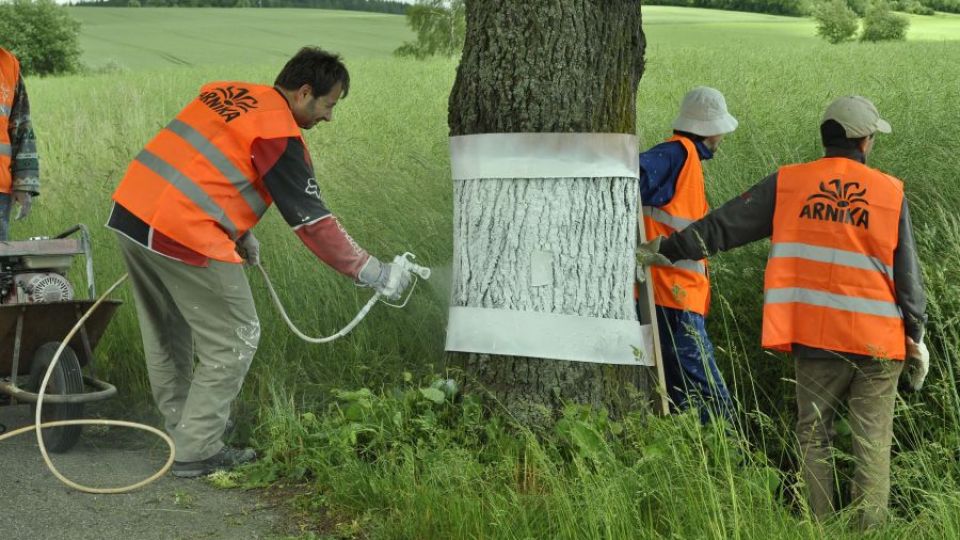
<point>183,215</point>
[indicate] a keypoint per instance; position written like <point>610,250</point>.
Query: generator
<point>39,305</point>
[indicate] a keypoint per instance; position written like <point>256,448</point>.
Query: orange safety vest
<point>195,181</point>
<point>9,77</point>
<point>684,285</point>
<point>829,279</point>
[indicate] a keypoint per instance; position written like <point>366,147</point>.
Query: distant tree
<point>859,7</point>
<point>836,21</point>
<point>243,4</point>
<point>133,3</point>
<point>952,6</point>
<point>440,28</point>
<point>42,35</point>
<point>880,24</point>
<point>911,6</point>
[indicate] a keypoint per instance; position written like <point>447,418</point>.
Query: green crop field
<point>675,26</point>
<point>148,38</point>
<point>389,462</point>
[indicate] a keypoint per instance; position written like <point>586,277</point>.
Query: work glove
<point>648,254</point>
<point>25,200</point>
<point>918,364</point>
<point>390,280</point>
<point>248,247</point>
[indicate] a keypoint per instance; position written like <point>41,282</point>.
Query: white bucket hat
<point>703,112</point>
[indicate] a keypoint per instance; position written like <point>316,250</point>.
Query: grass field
<point>704,26</point>
<point>148,38</point>
<point>151,38</point>
<point>391,462</point>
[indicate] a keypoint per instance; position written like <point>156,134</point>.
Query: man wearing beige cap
<point>843,293</point>
<point>672,194</point>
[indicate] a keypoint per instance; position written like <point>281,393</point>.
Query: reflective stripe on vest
<point>829,281</point>
<point>834,301</point>
<point>683,285</point>
<point>4,110</point>
<point>222,163</point>
<point>5,149</point>
<point>691,266</point>
<point>830,255</point>
<point>677,224</point>
<point>189,188</point>
<point>195,181</point>
<point>658,215</point>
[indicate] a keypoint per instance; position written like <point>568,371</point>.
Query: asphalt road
<point>36,506</point>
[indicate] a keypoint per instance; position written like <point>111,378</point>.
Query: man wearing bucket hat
<point>673,195</point>
<point>843,292</point>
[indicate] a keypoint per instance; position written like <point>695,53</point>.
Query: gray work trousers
<point>200,332</point>
<point>870,389</point>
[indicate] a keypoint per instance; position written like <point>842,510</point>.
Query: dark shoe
<point>226,459</point>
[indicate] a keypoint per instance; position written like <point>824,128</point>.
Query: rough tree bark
<point>561,66</point>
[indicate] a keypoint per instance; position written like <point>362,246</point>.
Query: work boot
<point>226,459</point>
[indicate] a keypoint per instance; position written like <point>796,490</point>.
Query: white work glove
<point>390,280</point>
<point>248,247</point>
<point>648,254</point>
<point>25,200</point>
<point>918,364</point>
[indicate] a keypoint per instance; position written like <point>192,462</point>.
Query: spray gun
<point>404,262</point>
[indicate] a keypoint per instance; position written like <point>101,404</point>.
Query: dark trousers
<point>690,369</point>
<point>6,201</point>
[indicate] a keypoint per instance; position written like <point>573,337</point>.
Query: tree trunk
<point>564,66</point>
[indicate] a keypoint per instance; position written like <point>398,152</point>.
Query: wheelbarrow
<point>38,309</point>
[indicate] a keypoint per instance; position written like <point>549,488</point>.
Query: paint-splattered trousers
<point>200,332</point>
<point>869,388</point>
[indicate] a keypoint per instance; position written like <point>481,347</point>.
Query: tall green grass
<point>397,462</point>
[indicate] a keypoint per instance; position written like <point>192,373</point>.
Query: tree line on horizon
<point>379,6</point>
<point>800,8</point>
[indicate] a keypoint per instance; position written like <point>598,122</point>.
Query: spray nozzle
<point>405,261</point>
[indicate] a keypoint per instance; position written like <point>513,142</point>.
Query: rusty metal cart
<point>37,310</point>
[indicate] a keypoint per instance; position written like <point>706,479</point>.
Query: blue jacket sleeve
<point>659,168</point>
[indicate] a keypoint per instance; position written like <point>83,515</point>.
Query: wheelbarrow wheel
<point>66,379</point>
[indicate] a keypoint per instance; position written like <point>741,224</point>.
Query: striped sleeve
<point>285,166</point>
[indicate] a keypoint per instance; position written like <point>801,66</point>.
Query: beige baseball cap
<point>858,116</point>
<point>703,112</point>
